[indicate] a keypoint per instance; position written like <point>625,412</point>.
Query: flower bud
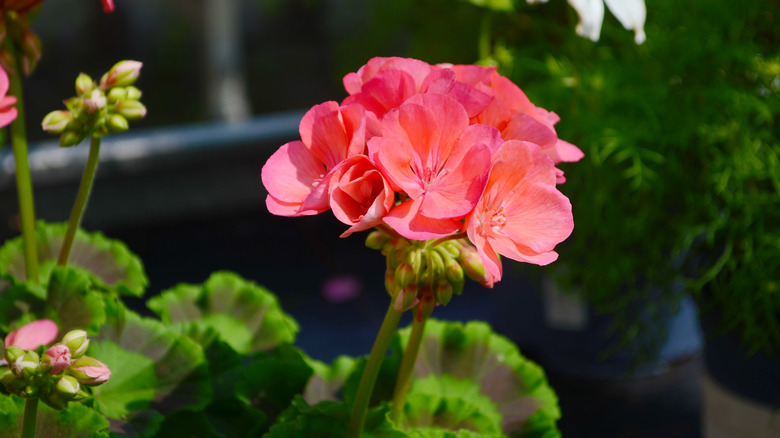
<point>443,293</point>
<point>77,342</point>
<point>426,305</point>
<point>414,257</point>
<point>121,74</point>
<point>12,352</point>
<point>131,109</point>
<point>132,93</point>
<point>84,84</point>
<point>453,272</point>
<point>117,94</point>
<point>58,357</point>
<point>390,285</point>
<point>89,371</point>
<point>376,240</point>
<point>67,387</point>
<point>472,264</point>
<point>436,265</point>
<point>406,298</point>
<point>56,121</point>
<point>404,275</point>
<point>7,376</point>
<point>118,123</point>
<point>70,138</point>
<point>95,101</point>
<point>31,52</point>
<point>26,366</point>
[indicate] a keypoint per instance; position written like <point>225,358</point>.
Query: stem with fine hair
<point>30,414</point>
<point>23,178</point>
<point>406,372</point>
<point>81,200</point>
<point>370,373</point>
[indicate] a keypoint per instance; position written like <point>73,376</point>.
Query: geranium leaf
<point>155,372</point>
<point>18,305</point>
<point>473,352</point>
<point>73,303</point>
<point>108,262</point>
<point>327,382</point>
<point>76,420</point>
<point>247,316</point>
<point>330,420</point>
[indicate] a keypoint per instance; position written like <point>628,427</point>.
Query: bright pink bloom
<point>33,334</point>
<point>58,357</point>
<point>329,135</point>
<point>386,83</point>
<point>7,111</point>
<point>521,214</point>
<point>429,151</point>
<point>357,193</point>
<point>515,116</point>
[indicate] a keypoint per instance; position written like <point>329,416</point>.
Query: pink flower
<point>58,357</point>
<point>429,151</point>
<point>521,214</point>
<point>89,371</point>
<point>386,83</point>
<point>33,334</point>
<point>108,5</point>
<point>515,116</point>
<point>7,111</point>
<point>329,135</point>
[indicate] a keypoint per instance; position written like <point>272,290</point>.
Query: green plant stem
<point>406,371</point>
<point>81,200</point>
<point>30,414</point>
<point>23,178</point>
<point>483,44</point>
<point>370,373</point>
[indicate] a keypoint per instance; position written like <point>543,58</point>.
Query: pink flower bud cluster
<point>430,152</point>
<point>99,108</point>
<point>58,375</point>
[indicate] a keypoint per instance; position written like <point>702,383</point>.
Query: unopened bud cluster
<point>56,377</point>
<point>15,25</point>
<point>423,274</point>
<point>99,108</point>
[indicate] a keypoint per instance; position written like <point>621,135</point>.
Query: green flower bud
<point>117,94</point>
<point>406,298</point>
<point>132,93</point>
<point>390,285</point>
<point>12,352</point>
<point>7,376</point>
<point>131,109</point>
<point>56,121</point>
<point>436,268</point>
<point>453,272</point>
<point>427,303</point>
<point>443,293</point>
<point>27,365</point>
<point>404,275</point>
<point>118,123</point>
<point>70,138</point>
<point>67,387</point>
<point>84,84</point>
<point>121,74</point>
<point>77,343</point>
<point>376,240</point>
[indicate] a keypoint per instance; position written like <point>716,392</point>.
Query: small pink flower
<point>512,113</point>
<point>33,334</point>
<point>58,357</point>
<point>429,151</point>
<point>329,135</point>
<point>89,371</point>
<point>521,214</point>
<point>7,111</point>
<point>108,5</point>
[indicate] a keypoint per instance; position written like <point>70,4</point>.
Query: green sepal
<point>74,421</point>
<point>330,420</point>
<point>247,316</point>
<point>109,263</point>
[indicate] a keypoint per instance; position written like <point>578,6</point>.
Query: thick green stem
<point>30,414</point>
<point>406,371</point>
<point>81,200</point>
<point>370,373</point>
<point>23,178</point>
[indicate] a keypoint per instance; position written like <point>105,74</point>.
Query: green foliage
<point>247,316</point>
<point>76,420</point>
<point>73,303</point>
<point>109,264</point>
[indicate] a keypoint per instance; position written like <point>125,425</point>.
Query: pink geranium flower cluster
<point>431,151</point>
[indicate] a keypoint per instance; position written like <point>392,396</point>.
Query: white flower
<point>630,13</point>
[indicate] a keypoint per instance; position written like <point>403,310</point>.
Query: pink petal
<point>7,116</point>
<point>33,334</point>
<point>490,260</point>
<point>564,151</point>
<point>322,131</point>
<point>4,83</point>
<point>292,172</point>
<point>407,221</point>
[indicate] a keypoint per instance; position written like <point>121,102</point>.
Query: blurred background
<point>676,203</point>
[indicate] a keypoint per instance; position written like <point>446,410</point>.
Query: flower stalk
<point>370,373</point>
<point>23,177</point>
<point>405,373</point>
<point>82,197</point>
<point>30,417</point>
